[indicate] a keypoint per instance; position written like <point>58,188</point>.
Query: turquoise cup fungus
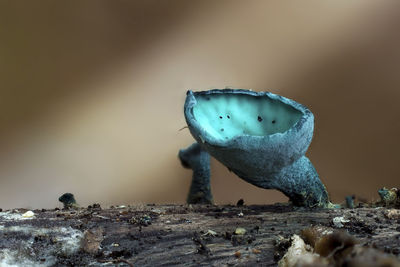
<point>261,137</point>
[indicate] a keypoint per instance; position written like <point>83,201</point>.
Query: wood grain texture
<point>166,235</point>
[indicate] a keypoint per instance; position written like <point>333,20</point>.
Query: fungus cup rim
<point>202,136</point>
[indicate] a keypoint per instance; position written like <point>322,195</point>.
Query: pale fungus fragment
<point>28,214</point>
<point>392,214</point>
<point>240,231</point>
<point>299,254</point>
<point>339,221</point>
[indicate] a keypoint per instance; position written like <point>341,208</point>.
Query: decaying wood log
<point>154,235</point>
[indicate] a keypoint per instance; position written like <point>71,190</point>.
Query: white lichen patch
<point>70,239</point>
<point>64,241</point>
<point>12,258</point>
<point>14,216</point>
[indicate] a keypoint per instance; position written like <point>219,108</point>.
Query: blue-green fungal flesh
<point>231,115</point>
<point>260,136</point>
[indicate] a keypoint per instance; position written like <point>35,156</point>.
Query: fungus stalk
<point>197,159</point>
<point>298,181</point>
<point>301,184</point>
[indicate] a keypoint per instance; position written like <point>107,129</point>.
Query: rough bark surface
<point>168,235</point>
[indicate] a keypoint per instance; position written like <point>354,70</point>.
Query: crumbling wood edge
<point>152,235</point>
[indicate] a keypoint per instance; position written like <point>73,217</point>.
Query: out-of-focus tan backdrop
<point>92,93</point>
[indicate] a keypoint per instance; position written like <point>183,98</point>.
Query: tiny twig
<point>184,127</point>
<point>117,261</point>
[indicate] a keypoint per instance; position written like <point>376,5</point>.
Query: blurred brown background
<point>91,93</point>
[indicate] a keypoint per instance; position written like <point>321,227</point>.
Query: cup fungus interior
<point>225,116</point>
